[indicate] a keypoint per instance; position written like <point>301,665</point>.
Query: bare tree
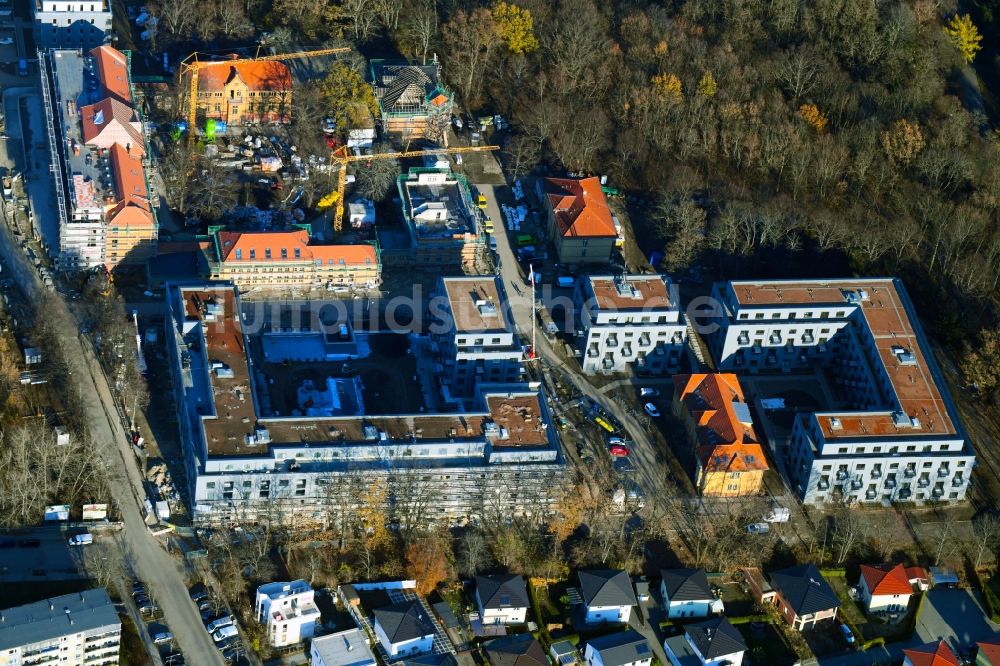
<point>376,178</point>
<point>985,538</point>
<point>851,530</point>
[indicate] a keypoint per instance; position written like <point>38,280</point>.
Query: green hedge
<point>836,573</point>
<point>878,641</point>
<point>747,619</point>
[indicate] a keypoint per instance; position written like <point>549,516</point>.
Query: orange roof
<point>932,654</point>
<point>259,75</point>
<point>112,69</point>
<point>886,581</point>
<point>128,214</point>
<point>268,246</point>
<point>916,574</point>
<point>580,209</point>
<point>130,183</point>
<point>727,441</point>
<point>990,650</point>
<point>110,113</point>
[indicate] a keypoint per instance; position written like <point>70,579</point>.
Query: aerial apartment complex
<point>630,321</point>
<point>72,630</point>
<point>106,215</point>
<point>253,443</point>
<point>476,341</point>
<point>891,432</point>
<point>63,24</point>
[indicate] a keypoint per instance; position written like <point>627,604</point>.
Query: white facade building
<point>885,589</point>
<point>404,629</point>
<point>344,648</point>
<point>630,320</point>
<point>71,630</point>
<point>60,24</point>
<point>288,610</point>
<point>686,594</point>
<point>476,341</point>
<point>626,648</point>
<point>894,434</point>
<point>608,596</point>
<point>502,599</point>
<point>712,643</point>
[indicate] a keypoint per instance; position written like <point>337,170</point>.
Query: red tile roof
<point>580,208</point>
<point>114,118</point>
<point>112,70</point>
<point>916,574</point>
<point>989,650</point>
<point>932,654</point>
<point>727,441</point>
<point>128,214</point>
<point>130,183</point>
<point>258,243</point>
<point>881,580</point>
<point>260,75</point>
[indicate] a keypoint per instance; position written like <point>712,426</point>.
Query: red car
<point>619,450</point>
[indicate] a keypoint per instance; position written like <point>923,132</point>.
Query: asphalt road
<point>162,574</point>
<point>643,453</point>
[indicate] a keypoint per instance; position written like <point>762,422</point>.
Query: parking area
<point>40,554</point>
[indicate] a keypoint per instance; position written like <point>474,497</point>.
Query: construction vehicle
<point>342,159</point>
<point>191,66</point>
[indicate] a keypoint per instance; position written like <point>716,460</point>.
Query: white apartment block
<point>899,438</point>
<point>60,24</point>
<point>630,320</point>
<point>288,610</point>
<point>71,630</point>
<point>475,339</point>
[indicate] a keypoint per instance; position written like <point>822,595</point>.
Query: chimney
<point>69,616</point>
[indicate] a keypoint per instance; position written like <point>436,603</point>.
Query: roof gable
<point>112,70</point>
<point>502,591</point>
<point>580,208</point>
<point>96,119</point>
<point>932,654</point>
<point>404,621</point>
<point>804,589</point>
<point>989,651</point>
<point>686,584</point>
<point>257,75</point>
<point>515,650</point>
<point>606,587</point>
<point>884,580</point>
<point>620,648</point>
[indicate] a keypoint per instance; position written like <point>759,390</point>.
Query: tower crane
<point>342,159</point>
<point>191,66</point>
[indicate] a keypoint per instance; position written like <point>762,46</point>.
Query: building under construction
<point>411,100</point>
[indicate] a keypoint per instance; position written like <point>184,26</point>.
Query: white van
<point>224,621</point>
<point>225,633</point>
<point>81,539</point>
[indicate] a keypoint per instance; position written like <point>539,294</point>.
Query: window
<point>298,253</point>
<point>284,253</point>
<point>267,253</point>
<point>239,254</point>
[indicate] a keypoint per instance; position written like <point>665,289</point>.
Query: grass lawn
<point>765,644</point>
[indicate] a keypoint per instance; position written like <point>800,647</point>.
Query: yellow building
<point>245,92</point>
<point>131,233</point>
<point>730,461</point>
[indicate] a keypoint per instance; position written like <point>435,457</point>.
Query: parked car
<point>81,539</point>
<point>6,41</point>
<point>758,528</point>
<point>224,633</point>
<point>646,392</point>
<point>219,623</point>
<point>146,608</point>
<point>198,593</point>
<point>162,637</point>
<point>652,410</point>
<point>848,634</point>
<point>619,450</point>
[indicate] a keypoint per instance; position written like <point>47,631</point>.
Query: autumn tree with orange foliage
<point>903,141</point>
<point>812,115</point>
<point>428,561</point>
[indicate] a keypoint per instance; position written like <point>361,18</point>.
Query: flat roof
<point>436,204</point>
<point>631,292</point>
<point>51,618</point>
<point>897,339</point>
<point>344,648</point>
<point>520,417</point>
<point>475,304</point>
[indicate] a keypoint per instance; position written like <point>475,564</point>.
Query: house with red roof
<point>931,654</point>
<point>729,460</point>
<point>988,652</point>
<point>109,122</point>
<point>241,93</point>
<point>579,220</point>
<point>885,589</point>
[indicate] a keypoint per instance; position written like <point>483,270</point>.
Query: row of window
<point>840,314</point>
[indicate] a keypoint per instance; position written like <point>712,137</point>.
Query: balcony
<point>905,493</point>
<point>644,340</point>
<point>611,341</point>
<point>938,491</point>
<point>808,339</point>
<point>842,474</point>
<point>910,472</point>
<point>608,364</point>
<point>924,482</point>
<point>957,482</point>
<point>775,339</point>
<point>593,352</point>
<point>678,338</point>
<point>890,483</point>
<point>943,472</point>
<point>876,474</point>
<point>626,351</point>
<point>856,484</point>
<point>871,494</point>
<point>823,485</point>
<point>743,339</point>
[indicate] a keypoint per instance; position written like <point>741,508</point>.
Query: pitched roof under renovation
<point>580,208</point>
<point>116,121</point>
<point>402,88</point>
<point>723,425</point>
<point>112,70</point>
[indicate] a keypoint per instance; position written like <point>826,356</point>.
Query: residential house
<point>245,93</point>
<point>476,339</point>
<point>607,595</point>
<point>65,24</point>
<point>686,594</point>
<point>564,653</point>
<point>404,629</point>
<point>885,589</point>
<point>412,101</point>
<point>803,596</point>
<point>515,650</point>
<point>71,630</point>
<point>502,599</point>
<point>624,648</point>
<point>131,230</point>
<point>729,459</point>
<point>111,121</point>
<point>288,611</point>
<point>988,653</point>
<point>931,654</point>
<point>579,220</point>
<point>900,437</point>
<point>630,321</point>
<point>715,642</point>
<point>344,648</point>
